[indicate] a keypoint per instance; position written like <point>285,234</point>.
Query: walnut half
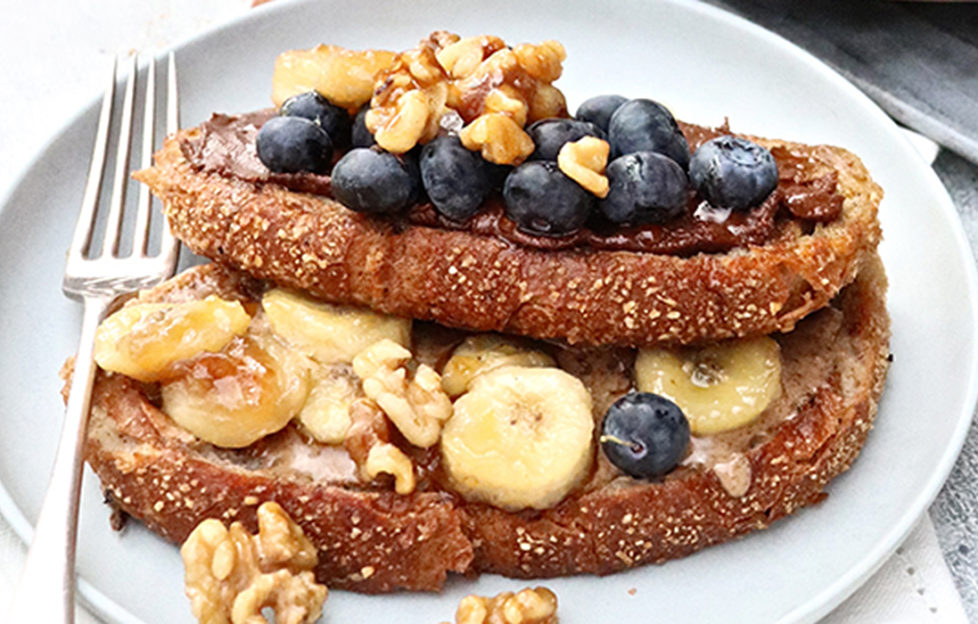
<point>232,575</point>
<point>418,406</point>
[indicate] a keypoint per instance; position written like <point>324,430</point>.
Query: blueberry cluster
<point>647,174</point>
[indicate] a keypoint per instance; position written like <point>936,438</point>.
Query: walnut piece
<point>418,406</point>
<point>387,458</point>
<point>232,575</point>
<point>409,100</point>
<point>529,606</point>
<point>584,162</point>
<point>500,139</point>
<point>507,83</point>
<point>368,443</point>
<point>461,57</point>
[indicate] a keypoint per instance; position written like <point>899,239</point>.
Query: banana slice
<point>330,333</point>
<point>719,387</point>
<point>520,437</point>
<point>143,340</point>
<point>326,413</point>
<point>483,353</point>
<point>344,77</point>
<point>251,389</point>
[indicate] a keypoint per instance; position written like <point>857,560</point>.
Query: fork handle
<point>46,592</point>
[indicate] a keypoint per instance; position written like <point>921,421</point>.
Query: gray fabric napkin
<point>918,61</point>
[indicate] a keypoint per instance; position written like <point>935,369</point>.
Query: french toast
<point>620,226</point>
<point>373,539</point>
<point>482,281</point>
<point>511,342</point>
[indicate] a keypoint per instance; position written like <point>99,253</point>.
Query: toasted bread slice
<point>462,279</point>
<point>375,540</point>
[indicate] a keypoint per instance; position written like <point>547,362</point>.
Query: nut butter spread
<point>226,146</point>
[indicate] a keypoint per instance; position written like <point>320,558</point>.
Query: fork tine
<point>82,237</point>
<point>172,105</point>
<point>113,224</point>
<point>169,245</point>
<point>141,233</point>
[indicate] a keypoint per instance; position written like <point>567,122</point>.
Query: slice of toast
<point>372,539</point>
<point>462,279</point>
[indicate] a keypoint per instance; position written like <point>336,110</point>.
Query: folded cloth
<point>912,587</point>
<point>916,60</point>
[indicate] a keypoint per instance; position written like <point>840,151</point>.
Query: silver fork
<point>47,586</point>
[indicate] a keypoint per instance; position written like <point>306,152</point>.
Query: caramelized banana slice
<point>520,437</point>
<point>344,77</point>
<point>483,353</point>
<point>330,333</point>
<point>249,390</point>
<point>326,413</point>
<point>719,387</point>
<point>143,340</point>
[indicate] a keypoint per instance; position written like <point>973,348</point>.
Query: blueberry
<point>542,200</point>
<point>550,134</point>
<point>360,136</point>
<point>645,187</point>
<point>314,107</point>
<point>373,181</point>
<point>293,144</point>
<point>599,109</point>
<point>730,172</point>
<point>644,434</point>
<point>456,179</point>
<point>646,126</point>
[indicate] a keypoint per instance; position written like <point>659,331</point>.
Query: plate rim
<point>816,605</point>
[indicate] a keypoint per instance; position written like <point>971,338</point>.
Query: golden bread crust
<point>461,279</point>
<point>377,541</point>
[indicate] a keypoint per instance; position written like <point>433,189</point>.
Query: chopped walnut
<point>584,162</point>
<point>368,427</point>
<point>542,61</point>
<point>500,139</point>
<point>409,100</point>
<point>506,99</point>
<point>232,575</point>
<point>547,101</point>
<point>528,606</point>
<point>493,88</point>
<point>368,443</point>
<point>387,458</point>
<point>461,57</point>
<point>507,83</point>
<point>528,69</point>
<point>418,407</point>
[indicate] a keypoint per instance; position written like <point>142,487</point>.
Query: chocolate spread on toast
<point>226,146</point>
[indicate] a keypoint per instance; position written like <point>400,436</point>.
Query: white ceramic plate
<point>704,64</point>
